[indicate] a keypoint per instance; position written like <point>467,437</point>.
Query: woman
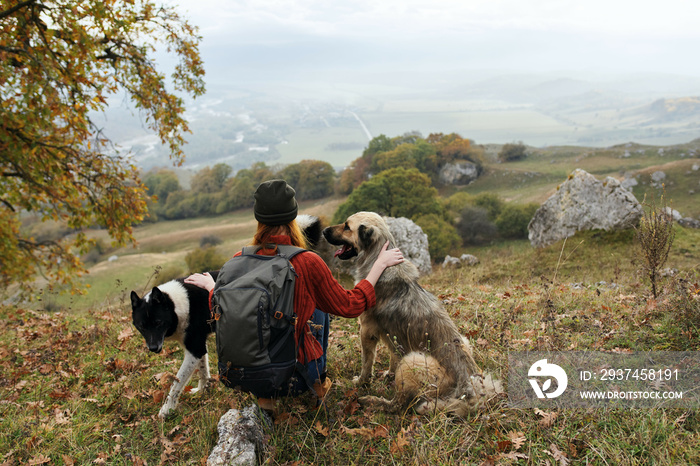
<point>317,293</point>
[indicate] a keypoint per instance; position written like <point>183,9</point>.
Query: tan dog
<point>432,361</point>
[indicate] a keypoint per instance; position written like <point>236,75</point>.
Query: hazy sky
<point>306,37</point>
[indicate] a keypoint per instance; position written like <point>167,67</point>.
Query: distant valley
<point>287,122</point>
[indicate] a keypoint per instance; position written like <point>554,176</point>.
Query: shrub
<point>457,202</point>
<point>442,236</point>
<point>209,240</point>
<point>512,151</point>
<point>204,259</point>
<point>475,227</point>
<point>513,220</point>
<point>492,203</point>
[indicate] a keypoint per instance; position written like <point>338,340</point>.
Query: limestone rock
<point>658,178</point>
<point>459,173</point>
<point>689,222</point>
<point>412,242</point>
<point>583,203</point>
<point>464,259</point>
<point>673,213</point>
<point>241,437</point>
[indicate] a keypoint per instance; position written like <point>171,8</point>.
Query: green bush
<point>513,151</point>
<point>457,202</point>
<point>513,220</point>
<point>492,203</point>
<point>209,240</point>
<point>475,227</point>
<point>442,236</point>
<point>204,259</point>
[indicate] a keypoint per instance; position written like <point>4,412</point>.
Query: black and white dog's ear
<point>365,234</point>
<point>156,295</point>
<point>311,227</point>
<point>135,300</point>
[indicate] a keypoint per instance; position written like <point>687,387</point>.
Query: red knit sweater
<point>316,287</point>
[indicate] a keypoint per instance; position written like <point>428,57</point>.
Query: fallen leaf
<point>39,459</point>
<point>400,442</point>
<point>513,455</point>
<point>321,429</point>
<point>380,432</point>
<point>126,333</point>
<point>61,417</point>
<point>365,432</point>
<point>20,385</point>
<point>547,418</point>
<point>158,395</point>
<point>503,445</point>
<point>351,407</point>
<point>558,455</point>
<point>518,439</point>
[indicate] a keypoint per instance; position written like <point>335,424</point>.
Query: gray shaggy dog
<point>432,361</point>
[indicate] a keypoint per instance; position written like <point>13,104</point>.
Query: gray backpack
<point>253,305</point>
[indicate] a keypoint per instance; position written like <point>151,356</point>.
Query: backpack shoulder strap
<point>287,251</point>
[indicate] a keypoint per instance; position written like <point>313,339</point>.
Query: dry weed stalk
<point>655,236</point>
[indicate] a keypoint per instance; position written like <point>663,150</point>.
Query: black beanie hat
<point>275,203</point>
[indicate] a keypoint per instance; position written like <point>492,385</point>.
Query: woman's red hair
<point>262,236</point>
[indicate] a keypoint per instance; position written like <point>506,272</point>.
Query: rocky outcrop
<point>583,203</point>
<point>459,173</point>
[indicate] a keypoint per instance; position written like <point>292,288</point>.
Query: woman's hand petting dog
<point>386,258</point>
<point>202,280</point>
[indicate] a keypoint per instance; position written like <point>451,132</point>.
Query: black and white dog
<point>176,311</point>
<point>179,311</point>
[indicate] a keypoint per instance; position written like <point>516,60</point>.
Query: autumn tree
<point>60,61</point>
<point>312,179</point>
<point>211,179</point>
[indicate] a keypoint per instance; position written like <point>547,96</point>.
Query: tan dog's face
<point>358,233</point>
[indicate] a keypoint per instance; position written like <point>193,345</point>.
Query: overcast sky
<point>294,37</point>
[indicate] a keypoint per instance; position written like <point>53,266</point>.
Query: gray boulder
<point>241,437</point>
<point>464,259</point>
<point>689,222</point>
<point>583,203</point>
<point>673,213</point>
<point>658,178</point>
<point>459,173</point>
<point>412,242</point>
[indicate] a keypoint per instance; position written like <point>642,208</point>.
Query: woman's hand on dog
<point>387,258</point>
<point>202,280</point>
